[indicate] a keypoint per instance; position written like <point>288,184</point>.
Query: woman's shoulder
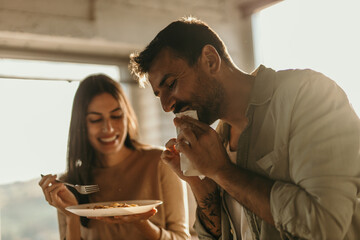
<point>151,152</point>
<point>150,149</point>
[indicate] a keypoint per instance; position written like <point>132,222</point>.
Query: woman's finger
<point>43,181</point>
<point>166,155</point>
<point>56,201</point>
<point>53,190</point>
<point>53,186</point>
<point>47,185</point>
<point>137,217</point>
<point>170,144</point>
<point>129,218</point>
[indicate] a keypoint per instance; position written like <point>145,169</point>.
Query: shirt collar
<point>260,94</point>
<point>263,86</point>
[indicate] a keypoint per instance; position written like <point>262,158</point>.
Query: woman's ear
<point>210,59</point>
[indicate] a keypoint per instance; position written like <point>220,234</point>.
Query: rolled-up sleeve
<point>324,165</point>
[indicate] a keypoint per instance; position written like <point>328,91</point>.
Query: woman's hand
<point>141,221</point>
<point>56,194</point>
<point>136,218</point>
<point>172,157</point>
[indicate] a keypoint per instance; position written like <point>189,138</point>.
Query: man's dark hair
<point>186,37</point>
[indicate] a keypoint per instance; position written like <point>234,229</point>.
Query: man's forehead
<point>164,63</point>
<point>161,60</point>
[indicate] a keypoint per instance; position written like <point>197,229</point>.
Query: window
<point>35,101</point>
<point>318,34</point>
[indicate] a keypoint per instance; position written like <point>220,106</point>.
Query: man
<point>284,162</point>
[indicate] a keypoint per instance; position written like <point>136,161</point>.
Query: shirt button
<point>231,231</point>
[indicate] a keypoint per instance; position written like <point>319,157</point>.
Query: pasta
<point>114,205</point>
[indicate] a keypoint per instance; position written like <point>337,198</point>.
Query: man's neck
<point>238,86</point>
<point>235,134</point>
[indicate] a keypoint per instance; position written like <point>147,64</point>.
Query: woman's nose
<point>107,126</point>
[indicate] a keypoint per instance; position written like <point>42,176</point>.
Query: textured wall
<point>109,30</point>
<point>117,26</point>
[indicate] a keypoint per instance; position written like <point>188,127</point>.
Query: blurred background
<point>48,46</point>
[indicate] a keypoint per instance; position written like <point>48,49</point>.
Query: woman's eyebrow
<point>116,109</point>
<point>97,113</point>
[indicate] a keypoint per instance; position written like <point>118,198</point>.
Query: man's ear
<point>210,59</point>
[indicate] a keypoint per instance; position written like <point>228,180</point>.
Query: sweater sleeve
<point>175,204</point>
<point>324,165</point>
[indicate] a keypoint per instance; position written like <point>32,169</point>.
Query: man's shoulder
<point>301,75</point>
<point>293,80</point>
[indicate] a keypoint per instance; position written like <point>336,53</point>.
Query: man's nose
<point>107,126</point>
<point>167,103</point>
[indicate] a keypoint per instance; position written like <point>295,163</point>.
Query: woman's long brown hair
<point>81,155</point>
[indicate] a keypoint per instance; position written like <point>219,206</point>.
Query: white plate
<point>87,210</point>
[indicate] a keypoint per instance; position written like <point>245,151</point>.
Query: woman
<point>103,149</point>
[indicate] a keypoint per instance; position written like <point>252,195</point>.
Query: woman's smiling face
<point>106,124</point>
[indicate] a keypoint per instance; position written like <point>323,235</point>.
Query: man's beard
<point>210,108</point>
<point>207,103</point>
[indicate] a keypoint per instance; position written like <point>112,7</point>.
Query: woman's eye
<point>117,116</point>
<point>95,120</point>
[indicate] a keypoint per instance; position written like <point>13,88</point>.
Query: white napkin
<point>186,165</point>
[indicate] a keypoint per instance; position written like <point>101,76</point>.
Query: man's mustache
<point>179,106</point>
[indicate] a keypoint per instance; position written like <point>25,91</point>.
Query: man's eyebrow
<point>162,82</point>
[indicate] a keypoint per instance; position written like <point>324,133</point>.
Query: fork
<point>83,189</point>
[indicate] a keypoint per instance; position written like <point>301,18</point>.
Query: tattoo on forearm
<point>204,218</point>
<point>211,199</point>
<point>209,212</point>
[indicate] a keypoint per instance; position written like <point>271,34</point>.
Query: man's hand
<point>202,145</point>
<point>205,191</point>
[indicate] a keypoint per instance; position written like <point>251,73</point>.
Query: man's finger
<point>188,121</point>
<point>188,136</point>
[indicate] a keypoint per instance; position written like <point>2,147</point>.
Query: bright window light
<point>319,34</point>
<point>35,115</point>
<point>53,70</point>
